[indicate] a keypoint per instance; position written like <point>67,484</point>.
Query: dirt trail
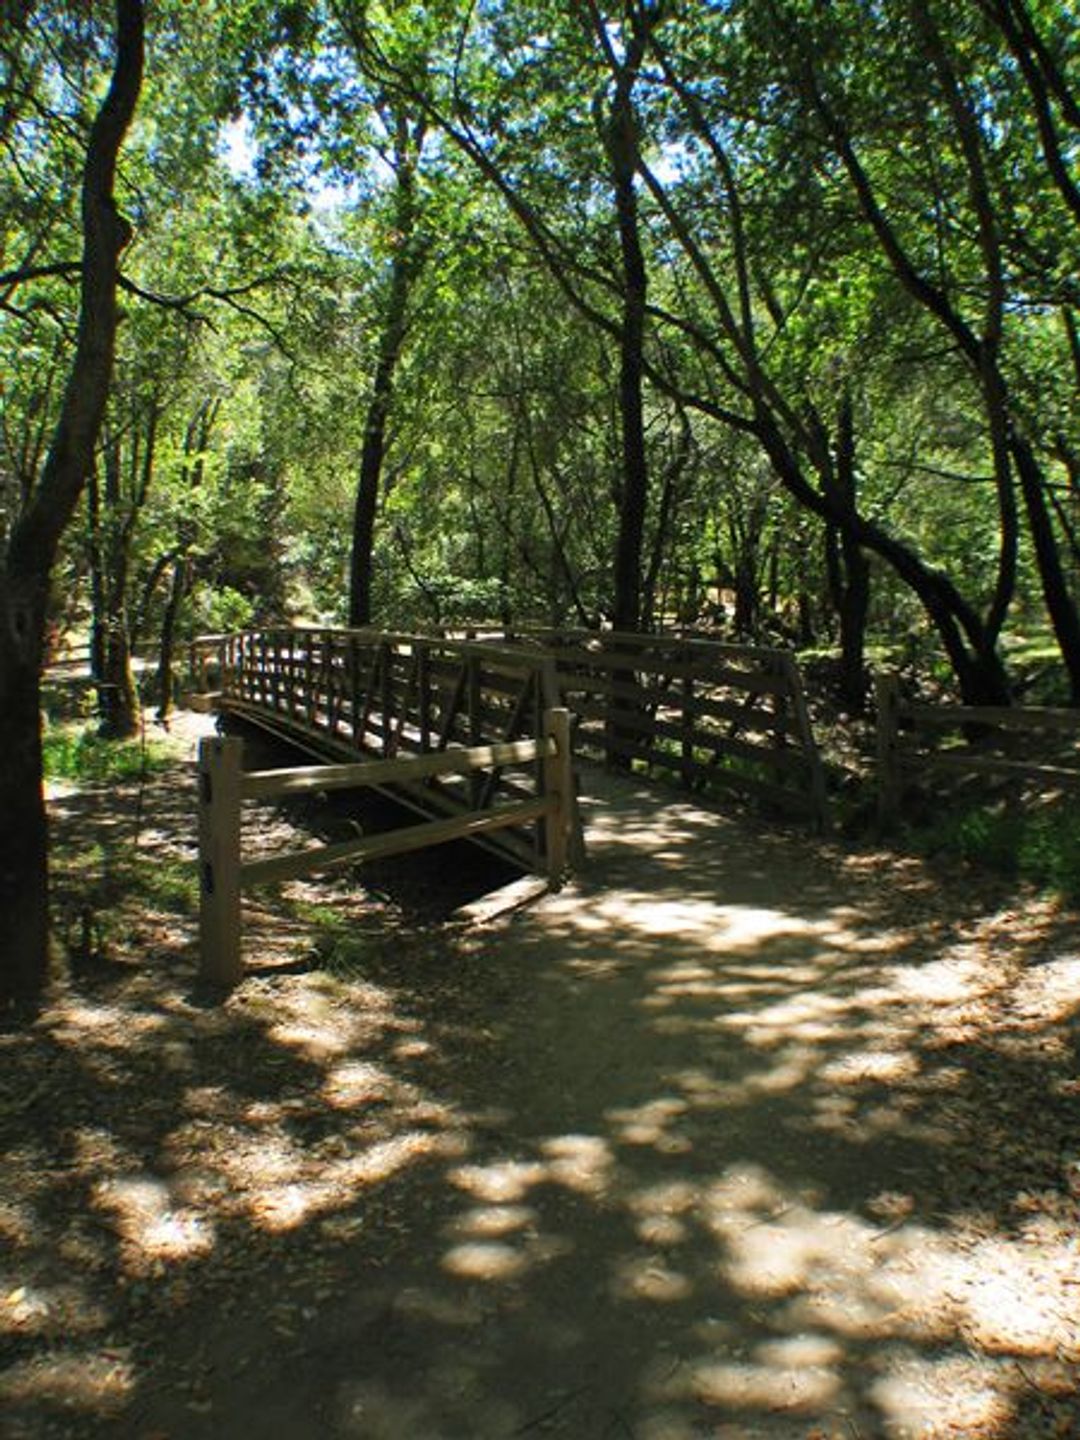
<point>738,1136</point>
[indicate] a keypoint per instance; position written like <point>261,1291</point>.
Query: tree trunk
<point>634,480</point>
<point>118,698</point>
<point>177,590</point>
<point>1059,602</point>
<point>404,269</point>
<point>35,536</point>
<point>853,594</point>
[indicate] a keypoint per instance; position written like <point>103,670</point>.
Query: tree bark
<point>34,538</point>
<point>634,480</point>
<point>404,269</point>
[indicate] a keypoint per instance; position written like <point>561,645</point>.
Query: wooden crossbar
<point>395,842</point>
<point>223,786</point>
<point>307,779</point>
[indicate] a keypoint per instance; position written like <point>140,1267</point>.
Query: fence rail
<point>224,786</point>
<point>968,741</point>
<point>706,712</point>
<point>346,694</point>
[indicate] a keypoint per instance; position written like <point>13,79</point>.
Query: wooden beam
<point>396,842</point>
<point>220,769</point>
<point>308,779</point>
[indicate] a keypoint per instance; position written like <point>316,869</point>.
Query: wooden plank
<point>396,842</point>
<point>307,779</point>
<point>1004,717</point>
<point>960,762</point>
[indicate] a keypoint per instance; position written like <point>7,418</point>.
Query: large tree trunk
<point>850,579</point>
<point>634,480</point>
<point>404,269</point>
<point>35,536</point>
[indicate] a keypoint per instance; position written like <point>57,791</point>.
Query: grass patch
<point>1040,845</point>
<point>77,753</point>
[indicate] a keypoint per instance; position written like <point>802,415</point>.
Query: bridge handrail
<point>223,786</point>
<point>461,760</point>
<point>918,739</point>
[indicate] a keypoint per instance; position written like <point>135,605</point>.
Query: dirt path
<point>736,1137</point>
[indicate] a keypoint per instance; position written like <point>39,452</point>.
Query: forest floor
<point>740,1135</point>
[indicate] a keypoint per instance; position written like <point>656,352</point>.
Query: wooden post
<point>474,727</point>
<point>819,800</point>
<point>887,704</point>
<point>688,731</point>
<point>386,699</point>
<point>354,692</point>
<point>423,683</point>
<point>220,768</point>
<point>276,662</point>
<point>559,791</point>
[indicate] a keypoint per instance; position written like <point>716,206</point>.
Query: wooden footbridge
<point>480,734</point>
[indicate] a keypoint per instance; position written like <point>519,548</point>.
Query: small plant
<point>73,752</point>
<point>1041,845</point>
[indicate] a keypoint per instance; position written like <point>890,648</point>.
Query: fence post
<point>887,706</point>
<point>220,769</point>
<point>819,800</point>
<point>687,728</point>
<point>559,789</point>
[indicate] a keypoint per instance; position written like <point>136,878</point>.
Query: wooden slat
<point>396,842</point>
<point>305,779</point>
<point>957,761</point>
<point>1003,717</point>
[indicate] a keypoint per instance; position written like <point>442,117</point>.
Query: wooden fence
<point>350,693</point>
<point>959,743</point>
<point>705,713</point>
<point>224,786</point>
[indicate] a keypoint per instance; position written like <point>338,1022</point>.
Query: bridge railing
<point>224,786</point>
<point>953,746</point>
<point>353,693</point>
<point>707,713</point>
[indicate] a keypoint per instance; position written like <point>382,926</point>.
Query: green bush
<point>72,752</point>
<point>1039,845</point>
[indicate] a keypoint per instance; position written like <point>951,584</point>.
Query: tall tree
<point>36,529</point>
<point>407,252</point>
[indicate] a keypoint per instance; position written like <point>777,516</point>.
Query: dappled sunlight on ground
<point>735,1137</point>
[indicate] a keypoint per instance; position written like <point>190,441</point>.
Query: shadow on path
<point>737,1136</point>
